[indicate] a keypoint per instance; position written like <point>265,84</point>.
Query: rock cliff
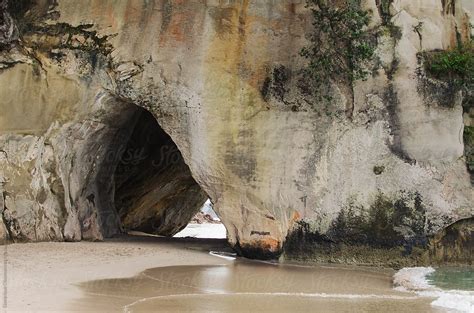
<point>130,114</point>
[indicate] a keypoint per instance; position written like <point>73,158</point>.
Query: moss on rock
<point>386,223</point>
<point>392,231</point>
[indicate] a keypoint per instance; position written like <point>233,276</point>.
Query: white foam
<point>414,279</point>
<point>227,256</point>
<point>455,300</point>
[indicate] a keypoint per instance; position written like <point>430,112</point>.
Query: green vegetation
<point>340,43</point>
<point>391,231</point>
<point>384,10</point>
<point>455,65</point>
<point>303,241</point>
<point>379,225</point>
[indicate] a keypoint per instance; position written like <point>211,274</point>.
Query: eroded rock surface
<point>154,189</point>
<point>454,244</point>
<point>223,80</point>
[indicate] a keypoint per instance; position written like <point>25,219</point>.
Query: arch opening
<point>154,192</point>
<point>205,224</point>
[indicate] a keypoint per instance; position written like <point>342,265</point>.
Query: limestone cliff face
<point>222,79</point>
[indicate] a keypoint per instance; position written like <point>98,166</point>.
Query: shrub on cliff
<point>456,65</point>
<point>340,42</point>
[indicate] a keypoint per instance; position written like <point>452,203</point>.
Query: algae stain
<point>232,97</point>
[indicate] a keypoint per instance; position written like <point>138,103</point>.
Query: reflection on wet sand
<point>243,286</point>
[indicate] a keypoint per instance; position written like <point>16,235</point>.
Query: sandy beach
<point>142,274</point>
<point>44,277</point>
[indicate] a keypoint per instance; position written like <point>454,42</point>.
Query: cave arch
<point>154,191</point>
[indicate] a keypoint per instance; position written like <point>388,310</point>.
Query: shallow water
<point>449,278</point>
<point>245,286</point>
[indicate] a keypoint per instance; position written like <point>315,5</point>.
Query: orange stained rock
<point>296,216</point>
<point>268,244</point>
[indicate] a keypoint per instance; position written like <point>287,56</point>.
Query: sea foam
<point>414,279</point>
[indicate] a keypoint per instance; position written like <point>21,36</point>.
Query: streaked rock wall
<point>222,79</point>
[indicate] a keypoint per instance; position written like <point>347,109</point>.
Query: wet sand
<point>45,277</point>
<point>245,286</point>
<point>173,275</point>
